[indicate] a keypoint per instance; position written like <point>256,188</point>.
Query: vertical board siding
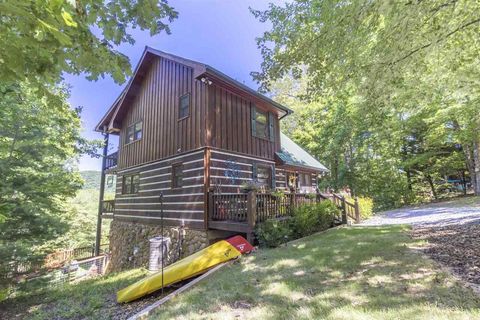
<point>156,104</point>
<point>231,127</point>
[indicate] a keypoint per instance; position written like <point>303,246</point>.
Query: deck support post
<point>251,213</point>
<point>357,211</point>
<point>98,238</point>
<point>293,197</point>
<point>344,210</point>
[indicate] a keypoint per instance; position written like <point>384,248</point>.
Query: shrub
<point>365,205</point>
<point>272,233</point>
<point>311,218</point>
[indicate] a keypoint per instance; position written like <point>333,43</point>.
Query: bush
<point>272,233</point>
<point>365,205</point>
<point>311,218</point>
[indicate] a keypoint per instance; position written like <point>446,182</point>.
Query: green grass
<point>91,299</point>
<point>347,273</point>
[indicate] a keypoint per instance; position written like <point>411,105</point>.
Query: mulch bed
<point>455,246</point>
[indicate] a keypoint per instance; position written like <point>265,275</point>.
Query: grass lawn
<point>345,273</point>
<point>90,299</point>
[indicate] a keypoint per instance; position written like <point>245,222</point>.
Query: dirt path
<point>451,229</point>
<point>455,212</point>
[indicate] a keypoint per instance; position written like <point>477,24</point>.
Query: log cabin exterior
<point>186,129</point>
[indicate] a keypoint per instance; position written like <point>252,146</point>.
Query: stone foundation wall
<point>127,237</point>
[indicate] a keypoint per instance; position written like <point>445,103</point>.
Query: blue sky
<point>220,33</point>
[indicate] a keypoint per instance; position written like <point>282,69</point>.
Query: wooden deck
<point>240,212</point>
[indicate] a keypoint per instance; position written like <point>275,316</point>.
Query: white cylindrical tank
<point>159,247</point>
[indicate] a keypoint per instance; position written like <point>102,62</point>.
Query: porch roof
<point>292,154</point>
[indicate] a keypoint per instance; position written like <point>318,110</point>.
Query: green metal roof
<point>292,154</point>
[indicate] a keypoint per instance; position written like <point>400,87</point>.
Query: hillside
<point>92,180</point>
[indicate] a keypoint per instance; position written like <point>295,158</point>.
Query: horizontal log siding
<point>185,203</point>
<point>231,125</point>
<point>281,179</point>
<point>219,170</point>
<point>156,104</point>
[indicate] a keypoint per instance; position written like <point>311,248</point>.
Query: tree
<point>394,58</point>
<point>42,39</point>
<point>39,132</point>
<point>39,143</point>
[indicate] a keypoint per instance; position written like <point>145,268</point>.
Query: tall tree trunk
<point>409,180</point>
<point>432,186</point>
<point>470,162</point>
<point>476,161</point>
<point>464,182</point>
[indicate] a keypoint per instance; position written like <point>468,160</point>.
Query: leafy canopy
<point>40,40</point>
<point>386,91</point>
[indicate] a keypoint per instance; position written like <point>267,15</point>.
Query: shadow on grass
<point>338,273</point>
<point>90,299</point>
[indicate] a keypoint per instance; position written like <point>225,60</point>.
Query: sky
<point>220,33</point>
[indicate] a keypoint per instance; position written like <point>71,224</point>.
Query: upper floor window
<point>262,124</point>
<point>184,106</point>
<point>130,183</point>
<point>134,132</point>
<point>177,175</point>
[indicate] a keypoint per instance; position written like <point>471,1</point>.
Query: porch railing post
<point>344,210</point>
<point>252,209</point>
<point>210,204</point>
<point>357,211</point>
<point>293,201</point>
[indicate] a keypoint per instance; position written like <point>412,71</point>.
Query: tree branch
<point>442,39</point>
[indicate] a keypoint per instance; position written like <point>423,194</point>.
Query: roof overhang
<point>110,122</point>
<point>237,87</point>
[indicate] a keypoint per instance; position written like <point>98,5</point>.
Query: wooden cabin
<point>186,130</point>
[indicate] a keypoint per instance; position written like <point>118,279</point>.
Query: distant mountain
<point>92,180</point>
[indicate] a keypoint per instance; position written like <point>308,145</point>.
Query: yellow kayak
<point>188,267</point>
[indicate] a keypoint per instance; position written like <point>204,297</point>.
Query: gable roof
<point>200,70</point>
<point>292,154</point>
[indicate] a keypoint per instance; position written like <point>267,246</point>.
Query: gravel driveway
<point>455,212</point>
<point>451,230</point>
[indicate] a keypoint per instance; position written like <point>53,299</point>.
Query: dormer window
<point>134,132</point>
<point>184,106</point>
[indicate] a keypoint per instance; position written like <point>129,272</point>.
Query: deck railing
<point>228,207</point>
<point>108,206</point>
<point>111,161</point>
<point>253,207</point>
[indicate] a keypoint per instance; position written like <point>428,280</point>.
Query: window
<point>305,180</point>
<point>177,175</point>
<point>262,124</point>
<point>184,106</point>
<point>130,183</point>
<point>263,175</point>
<point>134,132</point>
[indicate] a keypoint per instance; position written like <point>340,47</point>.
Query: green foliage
<point>385,93</point>
<point>273,233</point>
<point>39,143</point>
<point>365,205</point>
<point>83,225</point>
<point>91,180</point>
<point>311,218</point>
<point>43,39</point>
